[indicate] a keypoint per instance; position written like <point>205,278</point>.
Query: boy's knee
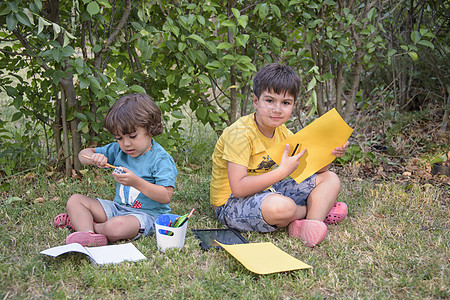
<point>279,206</point>
<point>75,198</point>
<point>119,228</point>
<point>330,178</point>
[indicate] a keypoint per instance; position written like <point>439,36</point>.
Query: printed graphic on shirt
<point>266,164</point>
<point>128,195</point>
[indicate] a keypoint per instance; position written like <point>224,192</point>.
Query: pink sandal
<point>337,213</point>
<point>89,239</point>
<point>311,232</point>
<point>62,220</point>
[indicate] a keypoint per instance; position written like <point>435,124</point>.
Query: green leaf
<point>202,58</point>
<point>263,10</point>
<point>84,83</point>
<point>241,40</point>
<point>413,55</point>
<point>82,125</point>
<point>38,4</point>
<point>93,8</point>
<point>6,10</point>
<point>228,23</point>
<point>16,116</point>
<point>236,12</point>
<point>204,79</point>
<point>276,10</point>
<point>170,78</point>
<point>372,13</point>
<point>181,47</point>
<point>104,3</point>
<point>97,48</point>
<point>56,30</point>
<point>426,43</point>
<point>201,19</point>
<point>311,84</point>
<point>185,80</point>
<point>67,51</point>
<point>80,116</point>
<point>11,91</point>
<point>197,38</point>
<point>137,88</point>
<point>177,114</point>
<point>415,36</point>
<point>224,45</point>
<point>94,82</point>
<point>309,36</point>
<point>243,21</point>
<point>40,25</point>
<point>228,57</point>
<point>23,18</point>
<point>201,113</point>
<point>391,52</point>
<point>11,21</point>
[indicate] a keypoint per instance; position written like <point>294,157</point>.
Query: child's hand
<point>340,151</point>
<point>290,163</point>
<point>127,178</point>
<point>99,160</point>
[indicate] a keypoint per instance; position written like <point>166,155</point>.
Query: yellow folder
<point>264,258</point>
<point>319,138</point>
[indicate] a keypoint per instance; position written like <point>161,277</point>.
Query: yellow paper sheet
<point>264,258</point>
<point>319,138</point>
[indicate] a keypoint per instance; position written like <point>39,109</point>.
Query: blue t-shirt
<point>155,166</point>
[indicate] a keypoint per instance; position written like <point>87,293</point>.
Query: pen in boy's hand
<point>295,149</point>
<point>108,165</point>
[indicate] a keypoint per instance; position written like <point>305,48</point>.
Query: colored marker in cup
<point>183,219</point>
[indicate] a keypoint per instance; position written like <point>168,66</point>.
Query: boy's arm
<point>97,159</point>
<point>243,185</point>
<point>159,193</point>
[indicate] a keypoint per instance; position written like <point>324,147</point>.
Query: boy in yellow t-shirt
<point>247,193</point>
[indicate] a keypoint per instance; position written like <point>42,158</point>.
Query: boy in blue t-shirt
<point>145,182</point>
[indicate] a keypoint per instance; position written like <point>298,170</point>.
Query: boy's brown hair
<point>278,79</point>
<point>131,111</point>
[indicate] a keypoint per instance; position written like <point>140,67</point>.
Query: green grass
<point>394,244</point>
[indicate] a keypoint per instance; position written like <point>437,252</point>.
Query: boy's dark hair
<point>276,78</point>
<point>131,111</point>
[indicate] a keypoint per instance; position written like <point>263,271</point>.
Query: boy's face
<point>135,144</point>
<point>272,110</point>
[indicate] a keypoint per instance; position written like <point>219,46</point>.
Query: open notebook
<point>111,254</point>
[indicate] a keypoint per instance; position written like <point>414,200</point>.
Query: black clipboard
<point>226,236</point>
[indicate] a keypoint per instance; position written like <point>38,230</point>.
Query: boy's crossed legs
<point>93,225</point>
<point>302,206</point>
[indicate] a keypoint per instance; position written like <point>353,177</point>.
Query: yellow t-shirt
<point>241,143</point>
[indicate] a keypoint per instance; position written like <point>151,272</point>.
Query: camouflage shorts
<point>244,214</point>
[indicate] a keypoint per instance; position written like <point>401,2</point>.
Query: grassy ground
<point>394,244</point>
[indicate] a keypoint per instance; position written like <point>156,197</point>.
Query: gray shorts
<point>244,214</point>
<point>113,209</point>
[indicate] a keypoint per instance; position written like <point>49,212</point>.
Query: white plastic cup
<point>169,237</point>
